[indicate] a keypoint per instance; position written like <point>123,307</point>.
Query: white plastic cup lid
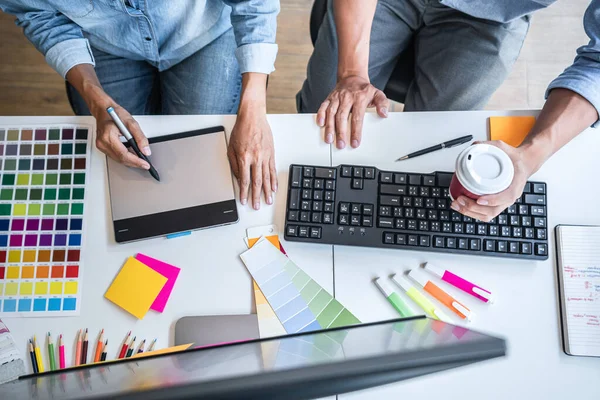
<point>484,169</point>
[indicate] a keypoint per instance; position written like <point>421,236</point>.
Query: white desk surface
<point>214,281</point>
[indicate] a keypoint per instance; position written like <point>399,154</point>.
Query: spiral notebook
<point>578,260</point>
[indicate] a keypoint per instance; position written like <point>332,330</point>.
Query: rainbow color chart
<point>43,174</point>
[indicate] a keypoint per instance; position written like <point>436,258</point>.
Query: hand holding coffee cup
<point>489,177</point>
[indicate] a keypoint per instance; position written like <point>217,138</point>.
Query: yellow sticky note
<point>511,130</point>
<point>135,287</point>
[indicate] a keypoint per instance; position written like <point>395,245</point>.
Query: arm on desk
<point>353,92</point>
<point>564,116</point>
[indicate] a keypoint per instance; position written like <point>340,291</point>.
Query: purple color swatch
<point>61,224</point>
<point>45,240</point>
<point>33,224</point>
<point>16,240</point>
<point>47,224</point>
<point>60,240</point>
<point>31,240</point>
<point>18,225</point>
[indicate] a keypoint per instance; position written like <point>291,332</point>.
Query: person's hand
<point>351,95</point>
<point>108,137</point>
<point>252,157</point>
<point>489,206</point>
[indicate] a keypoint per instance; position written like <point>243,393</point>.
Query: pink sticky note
<point>168,271</point>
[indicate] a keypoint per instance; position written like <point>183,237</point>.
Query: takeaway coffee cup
<point>481,169</point>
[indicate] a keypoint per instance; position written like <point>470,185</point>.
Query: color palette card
<point>136,287</point>
<point>43,176</point>
<point>169,271</point>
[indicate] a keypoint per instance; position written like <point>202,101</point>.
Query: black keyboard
<point>363,206</point>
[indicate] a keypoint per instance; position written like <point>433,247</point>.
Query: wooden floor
<point>29,87</point>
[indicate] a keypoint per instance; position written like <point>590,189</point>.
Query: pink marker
<point>463,284</point>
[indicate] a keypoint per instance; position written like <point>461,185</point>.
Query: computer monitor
<point>299,366</point>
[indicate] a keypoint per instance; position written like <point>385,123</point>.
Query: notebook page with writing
<point>579,286</point>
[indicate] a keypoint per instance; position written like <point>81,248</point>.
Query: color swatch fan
<point>43,176</point>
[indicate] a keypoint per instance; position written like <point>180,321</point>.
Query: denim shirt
<point>161,32</point>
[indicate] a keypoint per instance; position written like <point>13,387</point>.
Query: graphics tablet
<point>195,189</point>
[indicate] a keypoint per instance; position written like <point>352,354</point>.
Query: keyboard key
<point>482,230</point>
<point>423,225</point>
<point>407,201</point>
<point>318,195</point>
<point>442,204</point>
<point>444,179</point>
<point>319,184</point>
<point>358,172</point>
<point>409,212</point>
<point>456,216</point>
<point>346,171</point>
<point>329,195</point>
<point>401,239</point>
<point>400,223</point>
<point>413,190</point>
<point>429,180</point>
<point>397,212</point>
<point>470,229</point>
<point>511,210</point>
<point>539,222</point>
<point>356,208</point>
<point>424,241</point>
<point>328,218</point>
<point>435,226</point>
<point>388,238</point>
<point>429,203</point>
<point>385,177</point>
<point>541,249</point>
<point>294,203</point>
<point>436,192</point>
<point>296,177</point>
<point>367,221</point>
<point>292,215</point>
<point>541,234</point>
<point>467,219</point>
<point>389,200</point>
<point>413,240</point>
<point>424,192</point>
<point>307,183</point>
<point>345,208</point>
<point>292,230</point>
<point>502,219</point>
<point>505,231</point>
<point>386,222</point>
<point>536,199</point>
<point>328,207</point>
<point>458,227</point>
<point>400,179</point>
<point>447,227</point>
<point>306,205</point>
<point>305,216</point>
<point>529,233</point>
<point>326,173</point>
<point>411,225</point>
<point>438,241</point>
<point>317,206</point>
<point>370,173</point>
<point>392,189</point>
<point>490,245</point>
<point>357,184</point>
<point>306,194</point>
<point>418,202</point>
<point>514,220</point>
<point>527,188</point>
<point>315,233</point>
<point>517,232</point>
<point>355,220</point>
<point>343,219</point>
<point>502,246</point>
<point>493,230</point>
<point>450,243</point>
<point>539,211</point>
<point>385,211</point>
<point>444,215</point>
<point>525,248</point>
<point>525,221</point>
<point>463,244</point>
<point>308,172</point>
<point>523,209</point>
<point>539,188</point>
<point>414,179</point>
<point>329,185</point>
<point>475,244</point>
<point>421,213</point>
<point>303,231</point>
<point>317,217</point>
<point>432,215</point>
<point>513,247</point>
<point>368,209</point>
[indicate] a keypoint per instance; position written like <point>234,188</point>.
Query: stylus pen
<point>399,305</point>
<point>131,140</point>
<point>458,308</point>
<point>445,145</point>
<point>421,300</point>
<point>460,283</point>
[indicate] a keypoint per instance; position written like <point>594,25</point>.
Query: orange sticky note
<point>511,130</point>
<point>135,287</point>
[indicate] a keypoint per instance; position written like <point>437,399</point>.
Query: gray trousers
<point>459,60</point>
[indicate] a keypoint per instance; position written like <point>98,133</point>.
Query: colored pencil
<point>99,347</point>
<point>61,353</point>
<point>51,353</point>
<point>78,348</point>
<point>141,348</point>
<point>34,363</point>
<point>131,345</point>
<point>151,348</point>
<point>85,348</point>
<point>38,355</point>
<point>103,356</point>
<point>124,347</point>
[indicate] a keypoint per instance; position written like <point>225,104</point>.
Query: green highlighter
<point>421,300</point>
<point>403,309</point>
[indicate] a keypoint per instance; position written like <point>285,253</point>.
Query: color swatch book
<point>298,301</point>
<point>43,176</point>
<point>578,257</point>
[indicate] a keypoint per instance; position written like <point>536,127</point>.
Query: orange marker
<point>99,347</point>
<point>459,309</point>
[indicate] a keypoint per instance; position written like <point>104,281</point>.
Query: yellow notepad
<point>511,130</point>
<point>135,287</point>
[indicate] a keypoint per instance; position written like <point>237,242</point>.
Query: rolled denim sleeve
<point>53,34</point>
<point>255,28</point>
<point>583,77</point>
